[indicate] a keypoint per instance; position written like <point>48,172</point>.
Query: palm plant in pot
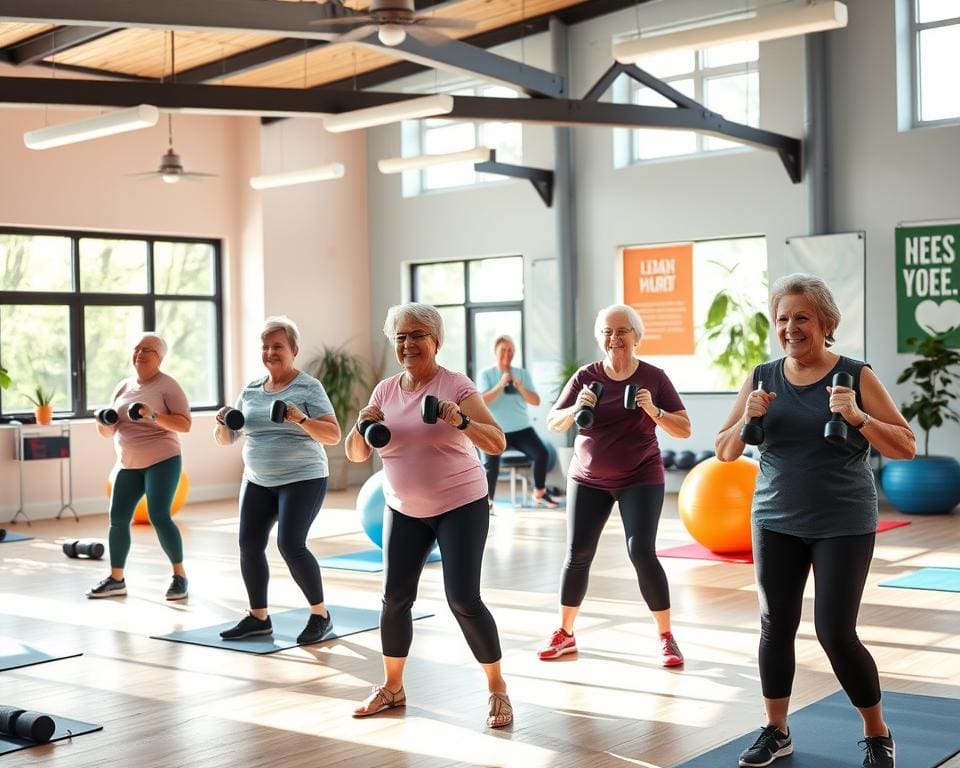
<point>43,402</point>
<point>927,484</point>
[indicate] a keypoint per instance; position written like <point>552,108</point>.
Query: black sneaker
<point>880,751</point>
<point>249,626</point>
<point>770,745</point>
<point>317,627</point>
<point>109,587</point>
<point>178,588</point>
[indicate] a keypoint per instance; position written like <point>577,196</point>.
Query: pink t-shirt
<point>430,468</point>
<point>142,443</point>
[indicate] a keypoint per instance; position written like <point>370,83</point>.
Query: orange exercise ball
<point>714,503</point>
<point>140,514</point>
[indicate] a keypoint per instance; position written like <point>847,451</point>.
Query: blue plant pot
<point>928,485</point>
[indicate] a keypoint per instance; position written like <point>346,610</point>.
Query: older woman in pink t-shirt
<point>436,493</point>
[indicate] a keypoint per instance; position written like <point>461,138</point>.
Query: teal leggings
<point>159,482</point>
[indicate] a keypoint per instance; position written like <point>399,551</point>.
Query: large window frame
<point>77,301</point>
<point>918,28</point>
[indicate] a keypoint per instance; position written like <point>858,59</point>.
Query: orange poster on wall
<point>658,283</point>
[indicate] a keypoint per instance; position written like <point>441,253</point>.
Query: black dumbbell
<point>510,388</point>
<point>24,724</point>
<point>584,417</point>
<point>233,419</point>
<point>752,432</point>
<point>136,411</point>
<point>630,397</point>
<point>704,455</point>
<point>375,433</point>
<point>278,411</point>
<point>78,548</point>
<point>668,457</point>
<point>106,416</point>
<point>685,460</point>
<point>835,430</point>
<point>429,409</point>
<point>748,453</point>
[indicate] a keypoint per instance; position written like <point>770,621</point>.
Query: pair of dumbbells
<point>92,550</point>
<point>835,430</point>
<point>109,416</point>
<point>25,724</point>
<point>584,416</point>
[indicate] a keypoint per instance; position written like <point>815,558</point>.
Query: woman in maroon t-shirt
<point>616,459</point>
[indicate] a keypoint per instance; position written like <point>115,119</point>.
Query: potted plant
<point>344,379</point>
<point>927,484</point>
<point>43,401</point>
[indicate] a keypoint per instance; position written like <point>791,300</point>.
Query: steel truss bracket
<point>541,178</point>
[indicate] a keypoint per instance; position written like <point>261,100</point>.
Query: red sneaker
<point>671,656</point>
<point>560,643</point>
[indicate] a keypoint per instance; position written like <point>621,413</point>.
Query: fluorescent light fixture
<point>411,109</point>
<point>303,176</point>
<point>415,163</point>
<point>132,119</point>
<point>767,24</point>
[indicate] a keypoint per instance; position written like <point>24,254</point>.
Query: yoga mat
<point>14,537</point>
<point>369,560</point>
<point>14,654</point>
<point>65,728</point>
<point>825,734</point>
<point>936,579</point>
<point>699,552</point>
<point>286,626</point>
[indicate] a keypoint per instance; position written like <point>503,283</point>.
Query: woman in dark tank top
<point>815,505</point>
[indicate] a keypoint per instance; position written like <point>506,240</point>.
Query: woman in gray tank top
<point>815,506</point>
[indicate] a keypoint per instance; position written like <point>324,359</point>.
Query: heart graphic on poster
<point>937,318</point>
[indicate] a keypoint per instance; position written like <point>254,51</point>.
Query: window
<point>71,305</point>
<point>725,79</point>
<point>479,300</point>
<point>436,136</point>
<point>935,32</point>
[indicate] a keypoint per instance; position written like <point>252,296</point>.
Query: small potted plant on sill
<point>43,401</point>
<point>927,484</point>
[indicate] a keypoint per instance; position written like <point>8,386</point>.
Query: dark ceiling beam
<point>245,61</point>
<point>94,72</point>
<point>54,41</point>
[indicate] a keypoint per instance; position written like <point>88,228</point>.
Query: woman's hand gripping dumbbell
<point>432,409</point>
<point>371,428</point>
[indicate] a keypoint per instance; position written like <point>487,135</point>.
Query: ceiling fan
<point>171,169</point>
<point>393,20</point>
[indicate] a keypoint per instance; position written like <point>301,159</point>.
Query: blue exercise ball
<point>551,455</point>
<point>685,460</point>
<point>371,504</point>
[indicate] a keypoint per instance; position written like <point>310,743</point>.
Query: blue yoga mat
<point>14,654</point>
<point>14,537</point>
<point>825,734</point>
<point>938,579</point>
<point>369,560</point>
<point>286,626</point>
<point>65,729</point>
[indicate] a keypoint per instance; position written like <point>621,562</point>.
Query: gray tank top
<point>806,486</point>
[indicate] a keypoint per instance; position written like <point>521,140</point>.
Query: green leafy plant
<point>41,397</point>
<point>737,330</point>
<point>934,378</point>
<point>5,380</point>
<point>343,376</point>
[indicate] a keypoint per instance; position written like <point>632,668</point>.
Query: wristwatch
<point>659,413</point>
<point>464,421</point>
<point>153,416</point>
<point>302,420</point>
<point>866,419</point>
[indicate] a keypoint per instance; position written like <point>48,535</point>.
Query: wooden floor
<point>166,704</point>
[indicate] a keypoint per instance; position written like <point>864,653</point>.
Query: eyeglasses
<point>416,337</point>
<point>144,350</point>
<point>609,333</point>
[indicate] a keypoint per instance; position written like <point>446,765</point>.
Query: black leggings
<point>295,506</point>
<point>528,442</point>
<point>462,535</point>
<point>588,510</point>
<point>840,568</point>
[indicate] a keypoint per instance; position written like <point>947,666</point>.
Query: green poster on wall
<point>928,283</point>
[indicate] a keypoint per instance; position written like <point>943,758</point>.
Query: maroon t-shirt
<point>620,449</point>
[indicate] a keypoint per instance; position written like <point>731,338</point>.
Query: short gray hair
<point>282,323</point>
<point>816,291</point>
<point>636,322</point>
<point>161,344</point>
<point>503,339</point>
<point>423,314</point>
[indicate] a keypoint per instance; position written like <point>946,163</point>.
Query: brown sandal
<point>382,698</point>
<point>500,711</point>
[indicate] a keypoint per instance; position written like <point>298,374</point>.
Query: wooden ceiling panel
<point>146,52</point>
<point>15,32</point>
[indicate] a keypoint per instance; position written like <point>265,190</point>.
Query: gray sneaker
<point>178,588</point>
<point>109,587</point>
<point>770,745</point>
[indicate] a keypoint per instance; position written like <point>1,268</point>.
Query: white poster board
<point>840,261</point>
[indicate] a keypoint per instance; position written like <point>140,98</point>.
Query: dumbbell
<point>233,419</point>
<point>429,409</point>
<point>375,433</point>
<point>668,457</point>
<point>703,456</point>
<point>752,432</point>
<point>278,411</point>
<point>584,417</point>
<point>510,389</point>
<point>106,416</point>
<point>24,724</point>
<point>685,460</point>
<point>136,411</point>
<point>835,430</point>
<point>630,397</point>
<point>78,548</point>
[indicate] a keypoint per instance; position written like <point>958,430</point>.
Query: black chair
<point>513,463</point>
